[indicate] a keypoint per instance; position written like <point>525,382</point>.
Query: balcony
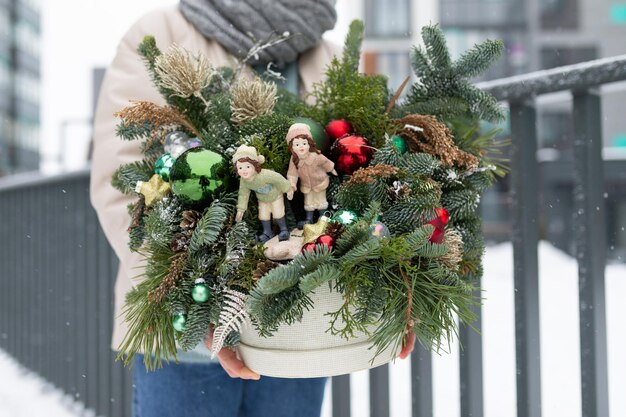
<point>58,271</point>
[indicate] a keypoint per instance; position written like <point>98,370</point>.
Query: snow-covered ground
<point>24,394</point>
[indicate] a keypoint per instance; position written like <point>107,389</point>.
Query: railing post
<point>421,382</point>
<point>525,259</point>
<point>341,395</point>
<point>590,229</point>
<point>471,366</point>
<point>379,391</point>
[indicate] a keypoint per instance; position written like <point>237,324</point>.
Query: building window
<point>387,19</point>
<point>395,65</point>
<point>558,57</point>
<point>559,14</point>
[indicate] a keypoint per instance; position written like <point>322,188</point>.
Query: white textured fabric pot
<point>306,349</point>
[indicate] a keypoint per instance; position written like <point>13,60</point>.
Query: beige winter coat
<point>127,79</point>
<point>312,172</point>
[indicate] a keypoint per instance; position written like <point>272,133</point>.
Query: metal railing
<point>56,287</point>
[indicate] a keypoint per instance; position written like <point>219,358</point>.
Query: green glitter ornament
<point>200,291</point>
<point>345,217</point>
<point>163,166</point>
<point>179,322</point>
<point>399,143</point>
<point>317,131</point>
<point>197,175</point>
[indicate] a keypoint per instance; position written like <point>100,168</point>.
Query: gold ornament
<point>153,190</point>
<point>315,230</point>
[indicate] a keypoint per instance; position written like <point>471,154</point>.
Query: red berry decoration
<point>440,224</point>
<point>326,240</point>
<point>338,128</point>
<point>309,247</point>
<point>351,153</point>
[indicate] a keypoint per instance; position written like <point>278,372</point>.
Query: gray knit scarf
<point>230,22</point>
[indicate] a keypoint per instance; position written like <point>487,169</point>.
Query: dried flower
<point>186,75</point>
<point>251,98</point>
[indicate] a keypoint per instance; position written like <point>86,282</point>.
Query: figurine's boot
<point>284,233</point>
<point>267,231</point>
<point>308,220</point>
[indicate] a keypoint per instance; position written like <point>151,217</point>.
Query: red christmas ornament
<point>326,240</point>
<point>309,247</point>
<point>351,153</point>
<point>440,224</point>
<point>338,128</point>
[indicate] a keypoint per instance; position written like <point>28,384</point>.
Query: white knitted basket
<point>306,349</point>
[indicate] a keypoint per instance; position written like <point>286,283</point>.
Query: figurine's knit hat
<point>298,129</point>
<point>245,151</point>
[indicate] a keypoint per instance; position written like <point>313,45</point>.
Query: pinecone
<point>263,268</point>
<point>335,229</point>
<point>399,190</point>
<point>180,241</point>
<point>190,219</point>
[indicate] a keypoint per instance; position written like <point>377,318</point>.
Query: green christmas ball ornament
<point>163,166</point>
<point>317,131</point>
<point>197,175</point>
<point>345,217</point>
<point>400,144</point>
<point>179,322</point>
<point>200,291</point>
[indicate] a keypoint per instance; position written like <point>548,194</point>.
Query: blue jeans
<point>205,390</point>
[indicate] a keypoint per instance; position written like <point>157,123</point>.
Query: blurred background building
<point>20,33</point>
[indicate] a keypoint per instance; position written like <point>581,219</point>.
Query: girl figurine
<point>311,168</point>
<point>269,188</point>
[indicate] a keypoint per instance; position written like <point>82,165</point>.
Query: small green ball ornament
<point>200,291</point>
<point>179,322</point>
<point>163,166</point>
<point>400,144</point>
<point>317,131</point>
<point>197,175</point>
<point>345,217</point>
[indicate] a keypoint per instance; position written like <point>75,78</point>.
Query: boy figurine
<point>269,187</point>
<point>310,167</point>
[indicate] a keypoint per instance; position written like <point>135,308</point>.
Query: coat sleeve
<point>125,79</point>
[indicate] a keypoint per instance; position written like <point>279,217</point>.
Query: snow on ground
<point>23,394</point>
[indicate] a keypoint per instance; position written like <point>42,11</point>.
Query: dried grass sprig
<point>371,173</point>
<point>141,112</point>
<point>424,133</point>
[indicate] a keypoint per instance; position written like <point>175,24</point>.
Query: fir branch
<point>436,48</point>
<point>325,273</point>
<point>443,88</point>
<point>209,227</point>
<point>478,59</point>
<point>126,176</point>
<point>196,326</point>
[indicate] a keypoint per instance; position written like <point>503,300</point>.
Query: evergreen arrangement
<point>403,246</point>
